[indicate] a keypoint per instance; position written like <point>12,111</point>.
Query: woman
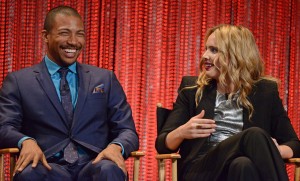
<point>231,125</point>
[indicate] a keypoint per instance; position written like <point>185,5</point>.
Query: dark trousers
<point>247,156</point>
<point>82,170</point>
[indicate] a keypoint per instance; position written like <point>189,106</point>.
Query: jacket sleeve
<point>10,113</point>
<point>179,116</point>
<point>281,127</point>
<point>122,128</point>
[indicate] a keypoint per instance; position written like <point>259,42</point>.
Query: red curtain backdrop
<point>151,44</point>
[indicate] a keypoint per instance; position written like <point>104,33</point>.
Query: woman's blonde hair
<point>240,63</point>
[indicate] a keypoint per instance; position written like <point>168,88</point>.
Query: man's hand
<point>30,152</point>
<point>112,152</point>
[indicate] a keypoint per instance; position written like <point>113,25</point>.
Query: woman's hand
<point>285,151</point>
<point>196,127</point>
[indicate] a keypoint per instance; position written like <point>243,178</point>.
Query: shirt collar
<point>53,67</point>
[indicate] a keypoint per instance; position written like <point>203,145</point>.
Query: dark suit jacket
<point>29,106</point>
<point>269,115</point>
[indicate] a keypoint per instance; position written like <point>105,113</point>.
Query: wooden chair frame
<point>13,153</point>
<point>296,163</point>
<point>161,115</point>
<point>161,158</point>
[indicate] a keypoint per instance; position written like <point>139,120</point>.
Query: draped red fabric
<point>151,44</point>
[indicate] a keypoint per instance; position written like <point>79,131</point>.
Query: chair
<point>162,114</point>
<point>6,173</point>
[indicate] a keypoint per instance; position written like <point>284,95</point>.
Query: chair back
<point>161,116</point>
<point>163,113</point>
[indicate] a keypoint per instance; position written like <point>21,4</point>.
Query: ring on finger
<point>198,126</point>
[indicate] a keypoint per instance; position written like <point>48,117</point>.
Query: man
<point>71,121</point>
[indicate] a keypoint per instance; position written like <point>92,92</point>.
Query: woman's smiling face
<point>210,58</point>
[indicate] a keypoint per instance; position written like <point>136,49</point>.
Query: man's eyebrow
<point>64,29</point>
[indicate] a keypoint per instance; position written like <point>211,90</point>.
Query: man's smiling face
<point>65,40</point>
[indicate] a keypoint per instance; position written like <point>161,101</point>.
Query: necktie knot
<point>64,86</point>
<point>63,72</point>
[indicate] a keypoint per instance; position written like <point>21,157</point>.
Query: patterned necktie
<point>66,95</point>
<point>70,151</point>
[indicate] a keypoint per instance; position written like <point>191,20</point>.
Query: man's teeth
<point>70,50</point>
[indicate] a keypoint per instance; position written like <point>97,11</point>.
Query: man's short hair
<point>66,10</point>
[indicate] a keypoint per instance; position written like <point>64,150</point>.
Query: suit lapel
<point>84,79</point>
<point>43,77</point>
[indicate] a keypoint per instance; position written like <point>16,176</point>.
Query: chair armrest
<point>296,163</point>
<point>161,165</point>
<point>136,168</point>
<point>9,150</point>
<point>293,160</point>
<point>168,156</point>
<point>9,154</point>
<point>137,154</point>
